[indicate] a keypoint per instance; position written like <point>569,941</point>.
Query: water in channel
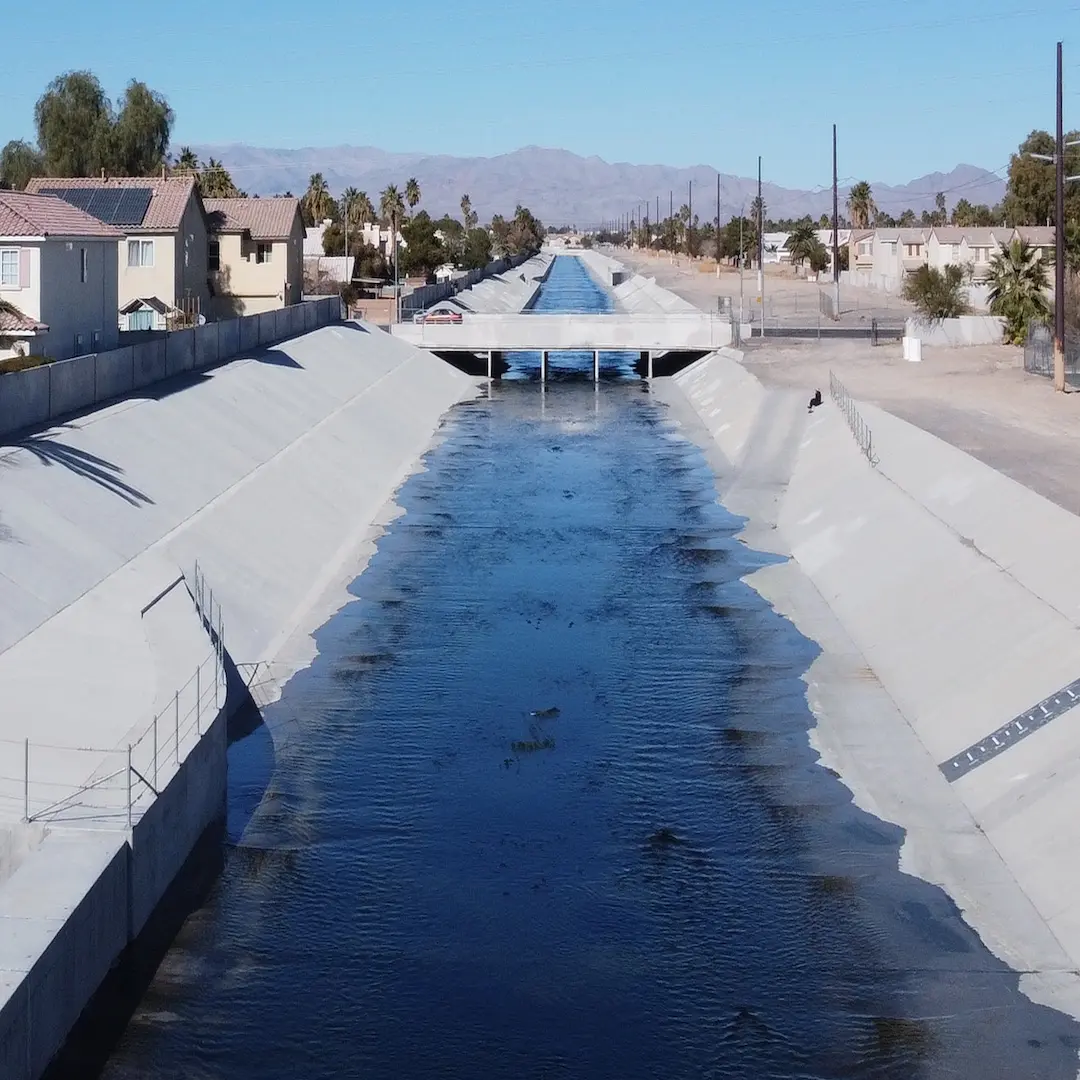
<point>544,806</point>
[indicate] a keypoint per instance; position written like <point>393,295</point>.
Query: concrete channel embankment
<point>946,604</point>
<point>272,473</point>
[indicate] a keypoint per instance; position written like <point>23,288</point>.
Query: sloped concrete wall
<point>955,587</point>
<point>33,397</point>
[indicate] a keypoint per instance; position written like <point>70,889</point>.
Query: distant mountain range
<point>562,188</point>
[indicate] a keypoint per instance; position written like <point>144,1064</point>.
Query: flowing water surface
<point>544,806</point>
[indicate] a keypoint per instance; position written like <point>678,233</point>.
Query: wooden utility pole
<point>835,232</point>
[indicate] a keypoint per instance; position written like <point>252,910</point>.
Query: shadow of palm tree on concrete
<point>106,474</point>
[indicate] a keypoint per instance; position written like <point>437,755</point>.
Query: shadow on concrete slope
<point>98,470</point>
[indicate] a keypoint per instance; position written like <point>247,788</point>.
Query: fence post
<point>26,780</point>
<point>176,714</point>
<point>129,787</point>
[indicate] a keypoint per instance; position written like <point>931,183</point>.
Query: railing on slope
<point>122,778</point>
<point>864,437</point>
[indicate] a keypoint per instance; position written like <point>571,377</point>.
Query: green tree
<point>860,205</point>
<point>802,241</point>
<point>453,238</point>
<point>214,182</point>
<point>963,214</point>
<point>317,204</point>
<point>392,208</point>
<point>412,192</point>
<point>1018,284</point>
<point>74,125</point>
<point>139,137</point>
<point>906,219</point>
<point>424,252</point>
<point>937,294</point>
<point>1029,197</point>
<point>188,161</point>
<point>468,215</point>
<point>940,213</point>
<point>477,252</point>
<point>19,163</point>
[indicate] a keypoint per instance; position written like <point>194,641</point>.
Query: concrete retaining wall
<point>34,397</point>
<point>966,330</point>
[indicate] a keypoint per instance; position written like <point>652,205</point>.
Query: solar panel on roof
<point>114,206</point>
<point>134,202</point>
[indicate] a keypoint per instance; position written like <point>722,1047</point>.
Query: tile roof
<point>167,203</point>
<point>145,302</point>
<point>13,321</point>
<point>949,234</point>
<point>265,219</point>
<point>1041,235</point>
<point>22,214</point>
<point>988,237</point>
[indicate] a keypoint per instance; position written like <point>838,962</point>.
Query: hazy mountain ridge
<point>565,188</point>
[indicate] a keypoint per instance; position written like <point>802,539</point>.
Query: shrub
<point>937,294</point>
<point>23,363</point>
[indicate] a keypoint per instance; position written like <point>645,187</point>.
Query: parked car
<point>438,315</point>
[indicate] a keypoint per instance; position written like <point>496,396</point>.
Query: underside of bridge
<point>650,364</point>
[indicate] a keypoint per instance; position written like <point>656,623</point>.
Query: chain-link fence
<point>1039,352</point>
<point>48,782</point>
<point>859,428</point>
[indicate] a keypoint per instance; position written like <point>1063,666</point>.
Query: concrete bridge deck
<point>552,333</point>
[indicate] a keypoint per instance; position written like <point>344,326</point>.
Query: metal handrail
<point>864,437</point>
<point>125,776</point>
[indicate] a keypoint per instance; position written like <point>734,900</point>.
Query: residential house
<point>885,272</point>
<point>861,252</point>
<point>774,247</point>
<point>163,256</point>
<point>825,237</point>
<point>58,278</point>
<point>980,246</point>
<point>256,254</point>
<point>1040,237</point>
<point>912,247</point>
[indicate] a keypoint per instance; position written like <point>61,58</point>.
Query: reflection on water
<point>544,806</point>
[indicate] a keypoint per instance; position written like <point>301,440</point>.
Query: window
<point>141,320</point>
<point>140,253</point>
<point>912,251</point>
<point>865,247</point>
<point>262,252</point>
<point>890,246</point>
<point>982,254</point>
<point>213,256</point>
<point>84,266</point>
<point>9,268</point>
<point>955,252</point>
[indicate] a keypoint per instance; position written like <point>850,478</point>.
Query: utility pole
<point>1060,179</point>
<point>689,219</point>
<point>835,232</point>
<point>658,218</point>
<point>761,247</point>
<point>671,218</point>
<point>718,226</point>
<point>742,261</point>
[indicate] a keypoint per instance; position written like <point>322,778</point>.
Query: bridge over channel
<point>686,335</point>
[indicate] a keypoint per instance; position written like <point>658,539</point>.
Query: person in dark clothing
<point>814,401</point>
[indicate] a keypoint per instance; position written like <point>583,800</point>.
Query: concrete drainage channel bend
<point>545,806</point>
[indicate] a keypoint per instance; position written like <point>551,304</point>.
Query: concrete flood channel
<point>544,805</point>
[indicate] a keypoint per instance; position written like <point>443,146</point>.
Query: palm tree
<point>412,192</point>
<point>469,217</point>
<point>349,205</point>
<point>757,213</point>
<point>317,201</point>
<point>363,208</point>
<point>802,242</point>
<point>1018,284</point>
<point>860,205</point>
<point>188,160</point>
<point>393,210</point>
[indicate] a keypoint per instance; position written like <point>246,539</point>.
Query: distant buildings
<point>884,258</point>
<point>58,278</point>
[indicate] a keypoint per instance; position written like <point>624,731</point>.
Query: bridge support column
<point>596,365</point>
<point>650,364</point>
<point>543,365</point>
<point>491,364</point>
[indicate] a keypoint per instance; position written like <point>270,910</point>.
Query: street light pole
<point>1060,179</point>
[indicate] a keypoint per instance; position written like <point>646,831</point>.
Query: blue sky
<point>915,86</point>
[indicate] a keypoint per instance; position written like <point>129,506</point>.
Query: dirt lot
<point>789,300</point>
